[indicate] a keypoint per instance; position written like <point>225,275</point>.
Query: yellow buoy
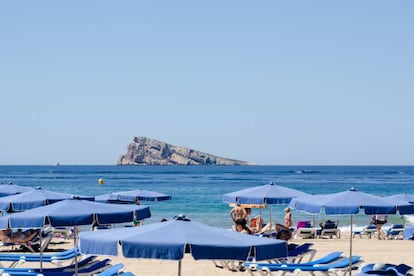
<point>100,181</point>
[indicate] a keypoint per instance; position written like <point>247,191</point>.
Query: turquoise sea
<point>197,191</point>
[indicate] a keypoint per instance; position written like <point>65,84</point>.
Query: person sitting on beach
<point>238,212</point>
<point>329,222</point>
<point>7,236</point>
<point>288,218</point>
<point>282,232</point>
<point>256,224</point>
<point>96,226</point>
<point>241,226</point>
<point>248,213</point>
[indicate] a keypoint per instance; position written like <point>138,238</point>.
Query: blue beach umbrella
<point>75,212</point>
<point>350,203</point>
<point>33,198</point>
<point>263,194</point>
<point>404,197</point>
<point>12,189</point>
<point>169,240</point>
<point>132,196</point>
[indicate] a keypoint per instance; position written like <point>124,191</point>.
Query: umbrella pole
<point>179,268</point>
<point>40,249</point>
<point>314,227</point>
<point>75,242</point>
<point>350,247</point>
<point>271,218</point>
<point>260,219</point>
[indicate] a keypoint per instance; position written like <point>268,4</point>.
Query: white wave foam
<point>409,219</point>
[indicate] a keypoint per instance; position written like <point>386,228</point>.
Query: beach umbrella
<point>33,198</point>
<point>169,240</point>
<point>12,189</point>
<point>75,212</point>
<point>350,203</point>
<point>132,196</point>
<point>263,194</point>
<point>404,197</point>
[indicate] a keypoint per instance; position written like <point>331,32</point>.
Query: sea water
<point>197,191</point>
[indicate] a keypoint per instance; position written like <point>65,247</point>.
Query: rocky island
<point>146,151</point>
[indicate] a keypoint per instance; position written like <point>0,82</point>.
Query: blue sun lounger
<point>55,258</point>
<point>112,270</point>
<point>115,270</point>
<point>331,257</point>
<point>82,263</point>
<point>341,265</point>
<point>297,254</point>
<point>91,269</point>
<point>384,269</point>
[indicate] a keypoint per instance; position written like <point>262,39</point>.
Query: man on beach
<point>238,212</point>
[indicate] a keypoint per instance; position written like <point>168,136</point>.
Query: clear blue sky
<point>270,82</point>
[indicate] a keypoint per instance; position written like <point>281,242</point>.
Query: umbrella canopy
<point>264,194</point>
<point>12,189</point>
<point>33,198</point>
<point>73,212</point>
<point>349,203</point>
<point>133,196</point>
<point>404,197</point>
<point>171,239</point>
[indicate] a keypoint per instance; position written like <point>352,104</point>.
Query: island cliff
<point>146,151</point>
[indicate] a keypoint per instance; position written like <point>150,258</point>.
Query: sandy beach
<point>372,251</point>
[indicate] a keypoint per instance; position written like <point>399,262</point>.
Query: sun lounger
<point>40,242</point>
<point>82,263</point>
<point>54,258</point>
<point>341,265</point>
<point>18,239</point>
<point>384,269</point>
<point>31,240</point>
<point>93,268</point>
<point>61,232</point>
<point>367,231</point>
<point>370,230</point>
<point>395,231</point>
<point>334,256</point>
<point>69,253</point>
<point>297,254</point>
<point>304,230</point>
<point>329,229</point>
<point>112,270</point>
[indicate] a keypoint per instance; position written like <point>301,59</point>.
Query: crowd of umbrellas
<point>170,240</point>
